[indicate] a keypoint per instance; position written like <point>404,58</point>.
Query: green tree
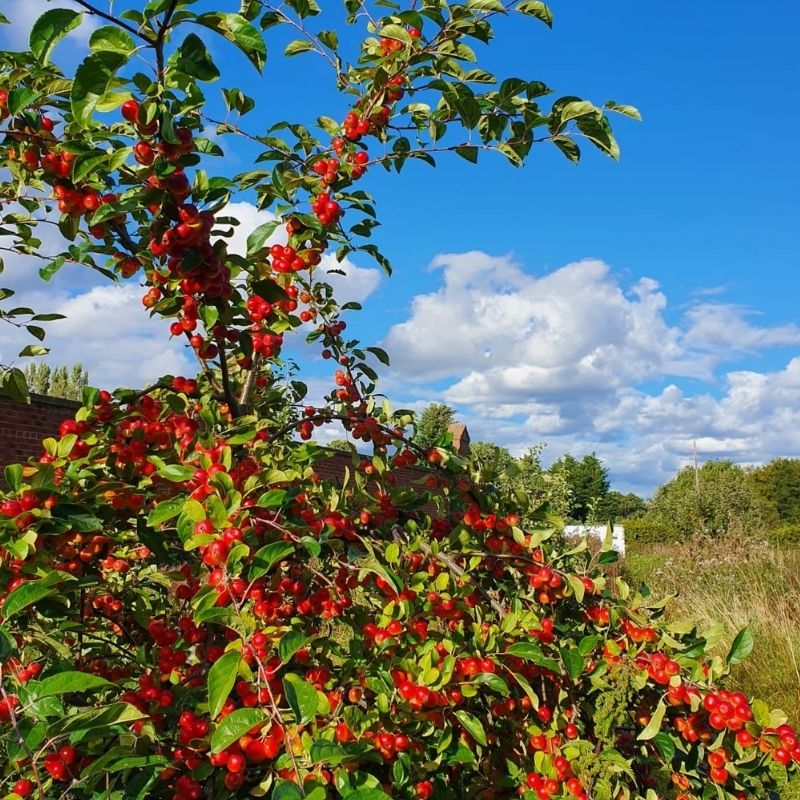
<point>520,477</point>
<point>712,500</point>
<point>489,461</point>
<point>432,424</point>
<point>59,382</point>
<point>588,484</point>
<point>618,506</point>
<point>340,444</point>
<point>778,484</point>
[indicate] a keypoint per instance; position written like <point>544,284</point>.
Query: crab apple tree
<point>188,609</point>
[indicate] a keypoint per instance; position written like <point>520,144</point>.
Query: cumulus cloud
<point>569,357</point>
<point>106,329</point>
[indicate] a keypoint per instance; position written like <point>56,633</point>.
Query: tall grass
<point>734,581</point>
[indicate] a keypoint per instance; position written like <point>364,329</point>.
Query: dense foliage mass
<point>188,611</point>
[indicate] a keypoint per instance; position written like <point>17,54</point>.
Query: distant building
<point>460,434</point>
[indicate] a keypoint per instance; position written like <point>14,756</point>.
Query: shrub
<point>189,610</point>
<point>645,530</point>
<point>785,535</point>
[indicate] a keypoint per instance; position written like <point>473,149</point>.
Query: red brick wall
<point>22,427</point>
<point>332,469</point>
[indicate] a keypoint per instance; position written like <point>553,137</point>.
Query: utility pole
<point>696,470</point>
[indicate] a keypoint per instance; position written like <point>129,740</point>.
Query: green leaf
<point>380,354</point>
<point>65,682</point>
<point>486,5</point>
<point>77,517</point>
<point>573,661</point>
<point>193,58</point>
<point>221,679</point>
<point>494,682</point>
<point>290,644</point>
<point>236,725</point>
<point>48,270</point>
<point>7,645</point>
<point>92,79</point>
<point>236,29</point>
<point>103,717</point>
<point>329,39</point>
<point>118,759</point>
<point>469,153</point>
<point>298,46</point>
<point>50,29</point>
<point>25,595</point>
<point>368,794</point>
<point>20,99</point>
<point>268,556</point>
<point>258,238</point>
<point>535,8</point>
<point>665,745</point>
<point>654,726</point>
<point>274,498</point>
<point>286,790</point>
<point>627,111</point>
<point>328,752</point>
<point>301,697</point>
<point>568,147</point>
<point>175,473</point>
<point>532,652</point>
<point>741,647</point>
<point>166,509</point>
<point>14,385</point>
<point>13,476</point>
<point>397,32</point>
<point>33,350</point>
<point>112,39</point>
<point>472,725</point>
<point>578,588</point>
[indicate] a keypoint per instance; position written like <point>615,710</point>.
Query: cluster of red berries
<point>717,759</point>
<point>783,742</point>
<point>599,615</point>
<point>62,765</point>
<point>24,673</point>
<point>638,634</point>
<point>258,309</point>
<point>328,211</point>
<point>545,787</point>
<point>727,710</point>
<point>681,694</point>
<point>184,385</point>
<point>660,667</point>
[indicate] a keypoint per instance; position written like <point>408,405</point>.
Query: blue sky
<point>628,308</point>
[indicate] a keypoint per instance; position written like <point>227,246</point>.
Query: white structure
<point>599,532</point>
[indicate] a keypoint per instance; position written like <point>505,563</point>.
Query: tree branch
<point>118,22</point>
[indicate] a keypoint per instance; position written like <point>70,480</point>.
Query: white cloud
<point>722,325</point>
<point>107,330</point>
<point>564,357</point>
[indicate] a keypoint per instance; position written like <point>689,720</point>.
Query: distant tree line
<point>578,490</point>
<point>64,382</point>
<point>714,499</point>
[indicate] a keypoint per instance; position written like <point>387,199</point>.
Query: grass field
<point>735,582</point>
